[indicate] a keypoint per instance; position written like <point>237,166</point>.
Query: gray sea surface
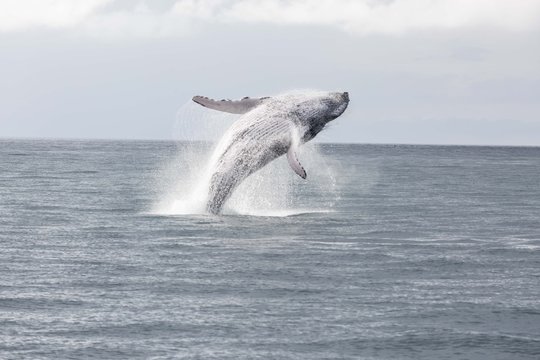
<point>428,252</point>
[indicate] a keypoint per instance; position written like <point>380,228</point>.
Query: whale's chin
<point>338,111</point>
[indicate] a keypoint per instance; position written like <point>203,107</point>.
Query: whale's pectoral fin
<point>230,106</point>
<point>295,164</point>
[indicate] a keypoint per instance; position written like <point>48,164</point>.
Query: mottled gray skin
<point>266,133</point>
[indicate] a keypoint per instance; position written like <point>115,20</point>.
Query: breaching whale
<point>268,128</point>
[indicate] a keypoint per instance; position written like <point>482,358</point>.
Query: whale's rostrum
<point>268,128</point>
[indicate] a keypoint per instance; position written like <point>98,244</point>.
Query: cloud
<point>138,22</point>
<point>389,17</point>
<point>16,15</point>
<point>360,17</point>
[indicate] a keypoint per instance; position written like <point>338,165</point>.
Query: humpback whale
<point>268,128</point>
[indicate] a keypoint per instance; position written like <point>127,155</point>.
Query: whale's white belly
<point>250,145</point>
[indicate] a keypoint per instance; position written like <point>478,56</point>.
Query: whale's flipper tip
<point>295,164</point>
<point>199,100</point>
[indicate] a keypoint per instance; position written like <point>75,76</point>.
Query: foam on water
<point>275,190</point>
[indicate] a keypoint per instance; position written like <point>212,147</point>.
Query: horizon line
<point>23,138</point>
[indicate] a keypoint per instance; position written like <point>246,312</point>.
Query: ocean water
<point>384,252</point>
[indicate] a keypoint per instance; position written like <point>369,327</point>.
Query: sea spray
<point>276,190</point>
<point>184,180</point>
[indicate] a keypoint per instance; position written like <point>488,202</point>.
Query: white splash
<point>274,190</point>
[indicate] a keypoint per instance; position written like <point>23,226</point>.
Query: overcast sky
<point>418,71</point>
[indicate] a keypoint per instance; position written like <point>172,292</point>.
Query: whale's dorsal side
<point>230,106</point>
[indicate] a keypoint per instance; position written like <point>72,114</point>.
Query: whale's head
<point>335,103</point>
<point>314,111</point>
